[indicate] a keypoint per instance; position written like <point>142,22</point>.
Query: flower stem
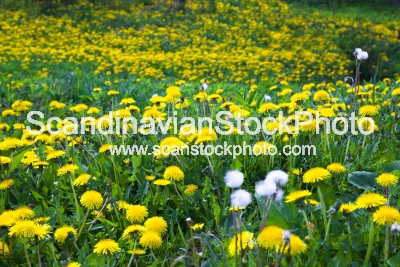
<point>26,255</point>
<point>386,249</point>
<point>83,224</point>
<point>349,231</point>
<point>267,205</point>
<point>209,163</point>
<point>75,199</point>
<point>177,191</point>
<point>370,242</point>
<point>38,255</point>
<point>328,228</point>
<point>308,224</point>
<point>323,207</point>
<point>99,213</point>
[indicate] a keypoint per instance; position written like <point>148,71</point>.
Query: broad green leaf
<point>362,179</point>
<point>392,166</point>
<point>281,214</point>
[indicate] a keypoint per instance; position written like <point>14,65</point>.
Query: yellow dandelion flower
<point>173,173</point>
<point>136,213</point>
<point>262,148</point>
<point>107,247</point>
<point>6,184</point>
<point>297,195</point>
<point>206,136</point>
<point>132,230</point>
<point>270,237</point>
<point>296,246</point>
<point>348,207</point>
<point>197,226</point>
<point>316,174</point>
<point>368,110</point>
<point>91,199</point>
<point>127,101</point>
<point>55,154</point>
<point>8,218</point>
<point>112,92</point>
<point>68,168</point>
<point>150,240</point>
<point>27,229</point>
<point>370,200</point>
<point>386,215</point>
<point>104,148</point>
<point>156,224</point>
<point>336,168</point>
<point>311,202</point>
<point>190,189</point>
<point>5,160</point>
<point>243,240</point>
<point>25,212</point>
<point>386,179</point>
<point>83,179</point>
<point>74,264</point>
<point>137,251</point>
<point>62,233</point>
<point>162,182</point>
<point>321,95</point>
<point>6,251</point>
<point>150,177</point>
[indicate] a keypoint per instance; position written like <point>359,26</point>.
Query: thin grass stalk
<point>323,207</point>
<point>308,224</point>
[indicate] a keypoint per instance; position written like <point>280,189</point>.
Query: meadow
<point>67,200</point>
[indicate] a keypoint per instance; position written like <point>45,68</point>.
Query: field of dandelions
<point>66,201</point>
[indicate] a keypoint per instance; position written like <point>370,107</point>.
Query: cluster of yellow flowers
<point>228,45</point>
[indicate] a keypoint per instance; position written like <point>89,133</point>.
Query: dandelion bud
<point>234,179</point>
<point>337,205</point>
<point>189,222</point>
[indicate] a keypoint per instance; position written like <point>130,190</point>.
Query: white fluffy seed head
<point>234,179</point>
<point>240,198</point>
<point>279,195</point>
<point>265,188</point>
<point>267,98</point>
<point>277,176</point>
<point>362,55</point>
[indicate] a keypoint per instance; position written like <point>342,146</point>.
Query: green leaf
<point>338,261</point>
<point>36,195</point>
<point>236,164</point>
<point>281,214</point>
<point>251,97</point>
<point>107,221</point>
<point>362,179</point>
<point>395,260</point>
<point>18,157</point>
<point>392,166</point>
